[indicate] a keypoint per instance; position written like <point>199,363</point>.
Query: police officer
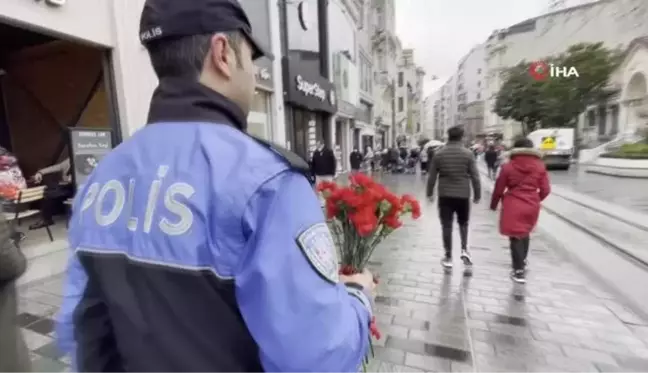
<point>195,246</point>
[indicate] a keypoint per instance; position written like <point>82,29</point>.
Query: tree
<point>519,98</point>
<point>558,101</point>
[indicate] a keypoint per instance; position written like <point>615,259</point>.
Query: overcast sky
<point>443,31</point>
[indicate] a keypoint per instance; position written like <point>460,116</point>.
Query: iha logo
<point>541,71</point>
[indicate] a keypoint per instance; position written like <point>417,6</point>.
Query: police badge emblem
<point>317,245</point>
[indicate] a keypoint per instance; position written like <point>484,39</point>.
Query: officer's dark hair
<point>185,56</point>
<point>455,133</point>
<point>523,143</point>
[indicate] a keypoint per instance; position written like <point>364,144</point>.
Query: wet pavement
<point>561,320</point>
<point>627,192</point>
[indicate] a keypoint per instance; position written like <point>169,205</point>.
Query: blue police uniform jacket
<point>196,247</point>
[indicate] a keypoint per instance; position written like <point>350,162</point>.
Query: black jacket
<point>324,162</point>
<point>356,160</point>
<point>491,157</point>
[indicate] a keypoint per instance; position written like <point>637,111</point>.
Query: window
<point>369,76</point>
<point>401,79</point>
<point>362,74</point>
<point>478,71</point>
<point>478,83</point>
<point>400,105</point>
<point>479,96</point>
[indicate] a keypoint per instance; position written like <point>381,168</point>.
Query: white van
<point>556,145</point>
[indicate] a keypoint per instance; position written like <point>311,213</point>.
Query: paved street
<point>604,187</point>
<point>559,321</point>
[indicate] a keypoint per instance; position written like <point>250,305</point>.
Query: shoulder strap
<point>296,162</point>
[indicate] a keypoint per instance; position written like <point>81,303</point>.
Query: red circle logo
<point>539,71</point>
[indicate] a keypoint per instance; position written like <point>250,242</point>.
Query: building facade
<point>615,23</point>
<point>364,131</point>
<point>310,99</point>
<point>113,25</point>
<point>386,51</point>
<point>469,89</point>
<point>344,21</point>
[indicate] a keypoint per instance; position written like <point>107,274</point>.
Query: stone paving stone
<point>560,321</point>
<point>43,364</point>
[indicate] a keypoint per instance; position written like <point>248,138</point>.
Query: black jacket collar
<point>180,100</point>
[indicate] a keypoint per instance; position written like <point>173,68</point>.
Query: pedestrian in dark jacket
<point>455,168</point>
<point>14,355</point>
<point>323,163</point>
<point>355,158</point>
<point>491,156</point>
<point>522,184</point>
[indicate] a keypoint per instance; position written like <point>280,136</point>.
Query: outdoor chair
<point>21,206</point>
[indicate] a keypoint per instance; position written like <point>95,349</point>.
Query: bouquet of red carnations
<point>361,215</point>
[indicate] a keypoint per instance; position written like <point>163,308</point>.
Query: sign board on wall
<point>304,87</point>
<point>87,147</point>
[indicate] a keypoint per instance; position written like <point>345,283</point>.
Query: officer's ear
<point>220,56</point>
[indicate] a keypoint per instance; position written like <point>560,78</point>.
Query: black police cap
<point>162,19</point>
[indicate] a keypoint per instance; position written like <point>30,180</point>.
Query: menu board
<point>87,147</point>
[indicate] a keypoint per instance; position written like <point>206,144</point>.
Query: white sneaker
<point>466,258</point>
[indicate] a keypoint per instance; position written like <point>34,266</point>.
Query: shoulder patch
<point>317,245</point>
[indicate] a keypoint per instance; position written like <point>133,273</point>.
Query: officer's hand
<point>364,279</point>
<point>476,200</point>
<point>431,199</point>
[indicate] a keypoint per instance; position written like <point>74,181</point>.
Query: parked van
<point>556,145</point>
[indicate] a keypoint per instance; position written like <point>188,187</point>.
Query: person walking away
<point>456,170</point>
<point>424,161</point>
<point>491,157</point>
<point>192,257</point>
<point>523,183</point>
<point>14,355</point>
<point>384,160</point>
<point>369,157</point>
<point>431,150</point>
<point>324,163</point>
<point>355,159</point>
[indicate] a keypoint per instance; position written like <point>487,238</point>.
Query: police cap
<point>162,19</point>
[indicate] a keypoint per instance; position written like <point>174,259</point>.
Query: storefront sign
<point>346,109</point>
<point>264,76</point>
<point>87,147</point>
<point>310,89</point>
<point>307,89</point>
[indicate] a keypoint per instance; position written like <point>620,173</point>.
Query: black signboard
<point>304,87</point>
<point>87,146</point>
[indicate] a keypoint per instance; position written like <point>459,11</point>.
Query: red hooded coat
<point>522,184</point>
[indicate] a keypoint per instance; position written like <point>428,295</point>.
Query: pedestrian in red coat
<point>522,184</point>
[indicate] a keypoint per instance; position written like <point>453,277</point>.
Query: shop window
<point>259,117</point>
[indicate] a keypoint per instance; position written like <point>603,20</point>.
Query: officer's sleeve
<point>83,328</point>
<point>287,286</point>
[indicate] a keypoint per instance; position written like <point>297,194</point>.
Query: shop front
<point>309,100</point>
<point>56,77</point>
<point>346,83</point>
<point>260,120</point>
